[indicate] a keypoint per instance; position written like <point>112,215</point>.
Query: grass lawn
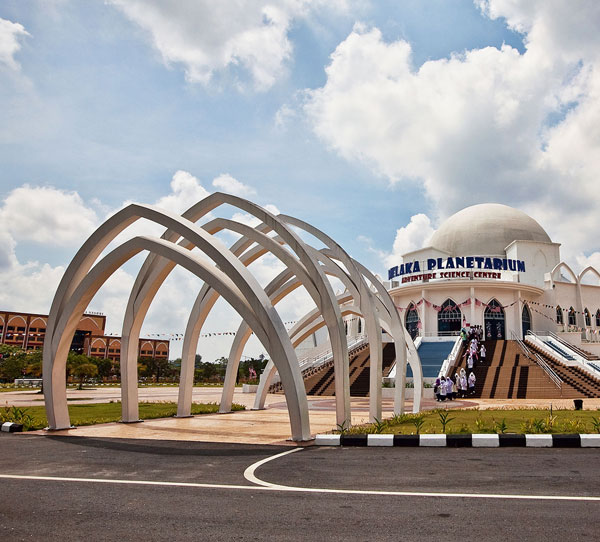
<point>488,421</point>
<point>35,417</point>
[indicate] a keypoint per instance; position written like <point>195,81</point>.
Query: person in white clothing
<point>471,383</point>
<point>443,389</point>
<point>449,393</point>
<point>463,382</point>
<point>470,361</point>
<point>482,354</point>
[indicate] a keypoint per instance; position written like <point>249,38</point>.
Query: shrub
<point>444,419</point>
<point>18,415</point>
<point>379,426</point>
<point>573,426</point>
<point>500,426</point>
<point>418,421</point>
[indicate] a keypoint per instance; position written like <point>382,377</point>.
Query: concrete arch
<point>312,322</point>
<point>178,227</point>
<point>588,269</point>
<point>366,302</point>
<point>153,272</point>
<point>276,291</point>
<point>206,299</point>
<point>403,355</point>
<point>557,268</point>
<point>276,342</point>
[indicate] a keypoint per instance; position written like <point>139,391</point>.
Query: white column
<point>472,306</point>
<point>519,315</point>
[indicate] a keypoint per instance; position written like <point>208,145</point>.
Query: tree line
<point>18,363</point>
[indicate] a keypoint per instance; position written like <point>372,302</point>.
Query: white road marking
<point>267,486</point>
<point>249,472</point>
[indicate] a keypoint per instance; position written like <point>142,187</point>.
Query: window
<point>359,326</point>
<point>412,323</point>
<point>588,318</point>
<point>598,318</point>
<point>449,318</point>
<point>572,319</point>
<point>94,350</point>
<point>559,316</point>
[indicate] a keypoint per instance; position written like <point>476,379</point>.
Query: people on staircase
<point>463,382</point>
<point>471,383</point>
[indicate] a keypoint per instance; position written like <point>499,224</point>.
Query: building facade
<point>493,266</point>
<point>27,331</point>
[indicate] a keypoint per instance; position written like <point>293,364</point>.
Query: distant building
<point>27,331</point>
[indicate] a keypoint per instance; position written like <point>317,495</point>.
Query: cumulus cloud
<point>185,191</point>
<point>10,33</point>
<point>484,125</point>
<point>227,183</point>
<point>411,237</point>
<point>46,215</point>
<point>42,216</point>
<point>208,37</point>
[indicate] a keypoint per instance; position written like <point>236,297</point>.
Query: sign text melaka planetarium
<point>436,268</point>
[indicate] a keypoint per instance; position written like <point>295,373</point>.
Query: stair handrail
<point>576,349</point>
<point>353,342</point>
<point>534,356</point>
<point>451,359</point>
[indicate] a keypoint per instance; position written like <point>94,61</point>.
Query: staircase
<point>508,373</point>
<point>321,381</point>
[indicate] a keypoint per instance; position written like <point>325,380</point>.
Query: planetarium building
<point>494,266</point>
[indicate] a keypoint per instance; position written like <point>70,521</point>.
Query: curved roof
<point>486,229</point>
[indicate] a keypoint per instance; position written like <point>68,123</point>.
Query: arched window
<point>598,318</point>
<point>572,319</point>
<point>559,316</point>
<point>449,318</point>
<point>493,317</point>
<point>588,318</point>
<point>412,320</point>
<point>346,327</point>
<point>359,326</point>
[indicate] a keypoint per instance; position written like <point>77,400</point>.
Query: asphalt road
<point>136,504</point>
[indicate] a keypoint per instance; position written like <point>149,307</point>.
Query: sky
<point>372,120</point>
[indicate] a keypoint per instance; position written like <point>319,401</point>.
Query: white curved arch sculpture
<point>225,275</point>
<point>153,273</point>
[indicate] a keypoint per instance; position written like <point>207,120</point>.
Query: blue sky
<point>328,118</point>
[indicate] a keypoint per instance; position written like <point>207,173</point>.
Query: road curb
<point>478,440</point>
<point>10,427</point>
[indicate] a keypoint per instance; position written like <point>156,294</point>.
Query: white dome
<point>486,230</point>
